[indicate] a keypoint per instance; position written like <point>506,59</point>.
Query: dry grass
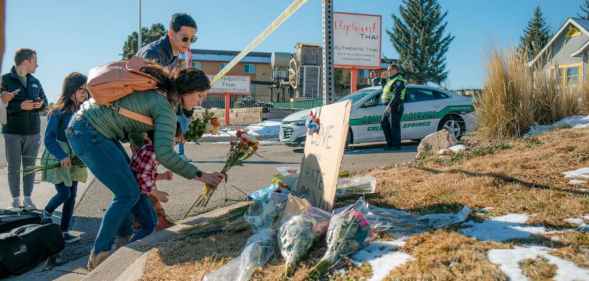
<point>516,96</point>
<point>523,179</point>
<point>192,257</point>
<point>444,255</point>
<point>514,176</point>
<point>585,98</point>
<point>538,269</point>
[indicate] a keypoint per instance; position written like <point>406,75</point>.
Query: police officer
<point>393,95</point>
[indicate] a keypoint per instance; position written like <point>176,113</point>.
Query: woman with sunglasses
<point>58,151</point>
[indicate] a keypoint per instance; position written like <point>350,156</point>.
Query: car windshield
<point>358,95</point>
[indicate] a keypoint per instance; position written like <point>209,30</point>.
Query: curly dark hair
<point>177,84</point>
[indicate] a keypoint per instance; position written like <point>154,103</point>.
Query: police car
<point>427,109</point>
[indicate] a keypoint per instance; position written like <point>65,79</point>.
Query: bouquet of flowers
<point>241,149</point>
<point>206,123</point>
<point>29,170</point>
<point>348,232</point>
<point>295,240</point>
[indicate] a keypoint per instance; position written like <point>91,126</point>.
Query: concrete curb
<point>127,263</point>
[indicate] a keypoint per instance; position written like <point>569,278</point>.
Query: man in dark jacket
<point>166,50</point>
<point>22,128</point>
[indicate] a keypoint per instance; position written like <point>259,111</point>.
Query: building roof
<point>581,24</point>
<point>226,56</point>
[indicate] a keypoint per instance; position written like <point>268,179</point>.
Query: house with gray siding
<point>566,54</point>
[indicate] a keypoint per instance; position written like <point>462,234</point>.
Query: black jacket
<point>18,121</point>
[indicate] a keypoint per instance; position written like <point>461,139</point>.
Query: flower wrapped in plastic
<point>241,149</point>
<point>29,170</point>
<point>296,237</point>
<point>206,123</point>
<point>348,232</point>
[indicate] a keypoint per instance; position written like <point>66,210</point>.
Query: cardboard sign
<point>323,155</point>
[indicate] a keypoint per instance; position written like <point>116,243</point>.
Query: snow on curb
<point>268,129</point>
<point>508,261</point>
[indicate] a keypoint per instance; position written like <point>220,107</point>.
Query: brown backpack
<point>114,81</point>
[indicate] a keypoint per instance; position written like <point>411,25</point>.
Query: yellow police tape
<point>294,6</point>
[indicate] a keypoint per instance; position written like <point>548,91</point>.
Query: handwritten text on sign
<point>357,40</point>
<point>231,84</point>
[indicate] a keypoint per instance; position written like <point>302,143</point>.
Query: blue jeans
<point>109,162</point>
<point>66,195</point>
<point>145,215</point>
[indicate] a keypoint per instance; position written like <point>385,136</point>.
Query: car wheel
<point>454,124</point>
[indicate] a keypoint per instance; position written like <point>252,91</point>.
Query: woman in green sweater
<point>96,132</point>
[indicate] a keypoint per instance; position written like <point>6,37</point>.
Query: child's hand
<point>160,195</point>
<point>168,175</point>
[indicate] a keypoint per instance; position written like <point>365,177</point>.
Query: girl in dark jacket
<point>57,150</point>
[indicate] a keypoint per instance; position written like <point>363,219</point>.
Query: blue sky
<point>74,35</point>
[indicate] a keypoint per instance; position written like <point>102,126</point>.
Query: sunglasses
<point>188,39</point>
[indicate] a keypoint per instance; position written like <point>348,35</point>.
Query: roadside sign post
<point>230,85</point>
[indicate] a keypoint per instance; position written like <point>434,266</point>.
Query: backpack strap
<point>134,115</point>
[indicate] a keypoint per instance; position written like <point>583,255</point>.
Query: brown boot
<point>96,259</point>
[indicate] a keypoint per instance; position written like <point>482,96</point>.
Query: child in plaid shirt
<point>149,214</point>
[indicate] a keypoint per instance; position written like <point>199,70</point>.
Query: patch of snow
<point>578,176</point>
<point>508,227</point>
<point>508,261</point>
<point>267,129</point>
<point>576,122</point>
<point>383,257</point>
<point>457,148</point>
<point>580,223</point>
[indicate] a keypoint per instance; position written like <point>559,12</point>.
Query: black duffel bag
<point>12,219</point>
<point>26,246</point>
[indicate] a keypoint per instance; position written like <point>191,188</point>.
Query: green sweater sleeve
<point>164,132</point>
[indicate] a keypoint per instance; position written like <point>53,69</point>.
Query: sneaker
<point>15,203</point>
<point>46,217</point>
<point>28,204</point>
<point>70,238</point>
<point>95,260</point>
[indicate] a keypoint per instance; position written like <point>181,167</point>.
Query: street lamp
<point>139,39</point>
<point>328,77</point>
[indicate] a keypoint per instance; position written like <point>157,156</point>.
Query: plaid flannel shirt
<point>144,166</point>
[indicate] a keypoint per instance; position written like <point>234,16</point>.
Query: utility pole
<point>139,39</point>
<point>327,60</point>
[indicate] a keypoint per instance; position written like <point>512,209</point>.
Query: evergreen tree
<point>536,35</point>
<point>155,32</point>
<point>419,37</point>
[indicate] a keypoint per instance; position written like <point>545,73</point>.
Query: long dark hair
<point>71,84</point>
<point>176,84</point>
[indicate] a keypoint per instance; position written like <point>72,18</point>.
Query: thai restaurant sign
<point>357,40</point>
